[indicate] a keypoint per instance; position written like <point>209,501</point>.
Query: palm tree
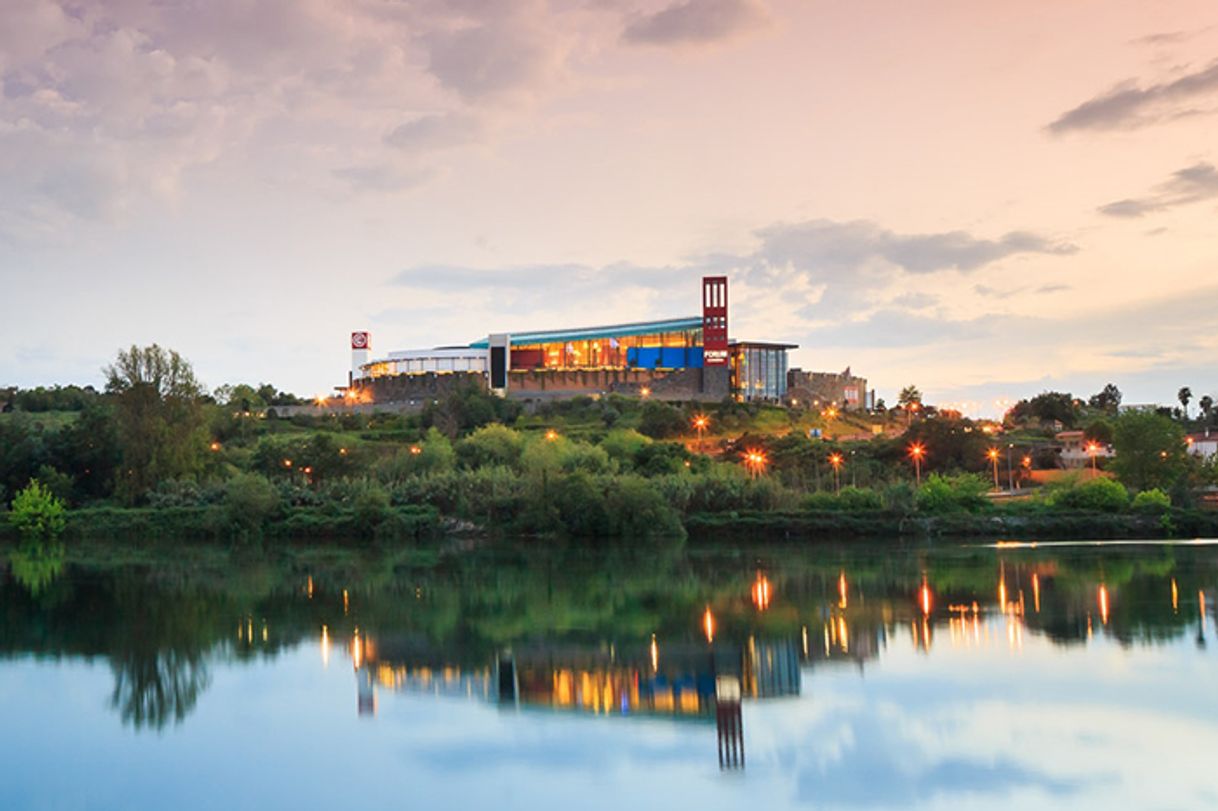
<point>1184,396</point>
<point>1207,405</point>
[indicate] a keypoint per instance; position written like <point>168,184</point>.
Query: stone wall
<point>826,387</point>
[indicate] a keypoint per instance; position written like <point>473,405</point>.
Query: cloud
<point>1192,184</point>
<point>1128,106</point>
<point>697,22</point>
<point>831,246</point>
<point>799,275</point>
<point>507,54</point>
<point>132,96</point>
<point>437,131</point>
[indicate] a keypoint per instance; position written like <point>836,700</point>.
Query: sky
<point>986,200</point>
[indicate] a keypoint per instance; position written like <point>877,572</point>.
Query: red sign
<point>714,321</point>
<point>361,340</point>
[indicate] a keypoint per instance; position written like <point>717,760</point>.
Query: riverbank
<point>412,523</point>
<point>811,526</point>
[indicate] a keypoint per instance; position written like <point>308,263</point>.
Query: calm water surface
<point>856,676</point>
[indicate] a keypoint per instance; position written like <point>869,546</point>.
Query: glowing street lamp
<point>645,392</point>
<point>551,435</point>
<point>992,454</point>
<point>917,452</point>
<point>836,460</point>
<point>701,421</point>
<point>755,462</point>
<point>1093,449</point>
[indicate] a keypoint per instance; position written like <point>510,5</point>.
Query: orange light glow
<point>655,654</point>
<point>1175,596</point>
<point>287,462</point>
<point>1102,598</point>
<point>917,450</point>
<point>325,646</point>
<point>1036,592</point>
<point>835,459</point>
<point>551,435</point>
<point>215,446</point>
<point>415,450</point>
<point>1027,462</point>
<point>357,650</point>
<point>924,598</point>
<point>645,392</point>
<point>842,591</point>
<point>708,624</point>
<point>342,451</point>
<point>701,421</point>
<point>755,461</point>
<point>761,592</point>
<point>992,454</point>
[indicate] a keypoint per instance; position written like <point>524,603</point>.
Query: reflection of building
<point>687,358</point>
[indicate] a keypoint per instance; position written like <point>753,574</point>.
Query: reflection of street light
<point>835,459</point>
<point>917,451</point>
<point>992,453</point>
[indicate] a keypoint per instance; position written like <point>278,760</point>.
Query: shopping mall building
<point>689,358</point>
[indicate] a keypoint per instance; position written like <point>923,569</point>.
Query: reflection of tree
<point>36,565</point>
<point>151,686</point>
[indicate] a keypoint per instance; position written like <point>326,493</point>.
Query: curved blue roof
<point>593,333</point>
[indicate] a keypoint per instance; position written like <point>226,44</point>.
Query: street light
<point>1093,449</point>
<point>551,435</point>
<point>836,460</point>
<point>701,421</point>
<point>754,462</point>
<point>992,453</point>
<point>1010,470</point>
<point>917,451</point>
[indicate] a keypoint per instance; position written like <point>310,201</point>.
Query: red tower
<point>714,320</point>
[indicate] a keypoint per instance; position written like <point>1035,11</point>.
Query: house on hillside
<point>1203,445</point>
<point>1076,451</point>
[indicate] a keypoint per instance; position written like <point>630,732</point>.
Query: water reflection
<point>681,639</point>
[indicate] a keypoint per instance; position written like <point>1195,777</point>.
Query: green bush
<point>660,420</point>
<point>491,445</point>
<point>36,513</point>
<point>623,444</point>
<point>859,499</point>
<point>1100,495</point>
<point>1151,501</point>
<point>371,506</point>
<point>637,511</point>
<point>250,499</point>
<point>945,494</point>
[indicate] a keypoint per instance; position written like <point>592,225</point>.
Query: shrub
<point>899,497</point>
<point>36,513</point>
<point>636,510</point>
<point>371,506</point>
<point>943,494</point>
<point>250,499</point>
<point>660,420</point>
<point>1101,495</point>
<point>493,444</point>
<point>660,458</point>
<point>623,444</point>
<point>1151,501</point>
<point>858,499</point>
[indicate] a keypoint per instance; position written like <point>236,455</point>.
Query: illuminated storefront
<point>759,370</point>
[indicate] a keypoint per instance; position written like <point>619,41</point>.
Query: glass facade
<point>759,371</point>
<point>596,353</point>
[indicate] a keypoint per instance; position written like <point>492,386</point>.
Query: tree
<point>1185,396</point>
<point>1048,406</point>
<point>37,514</point>
<point>1107,399</point>
<point>159,417</point>
<point>1100,430</point>
<point>1206,403</point>
<point>1150,451</point>
<point>908,396</point>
